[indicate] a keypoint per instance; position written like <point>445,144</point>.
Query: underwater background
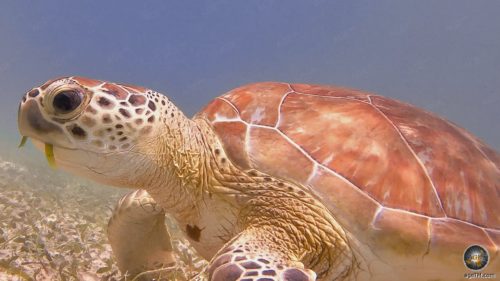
<point>443,56</point>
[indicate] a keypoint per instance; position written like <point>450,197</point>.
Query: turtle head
<point>93,128</point>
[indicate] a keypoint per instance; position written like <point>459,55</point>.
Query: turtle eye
<point>67,101</point>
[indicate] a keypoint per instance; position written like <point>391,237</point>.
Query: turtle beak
<point>32,124</point>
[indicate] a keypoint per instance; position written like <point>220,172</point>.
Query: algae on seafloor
<point>53,227</point>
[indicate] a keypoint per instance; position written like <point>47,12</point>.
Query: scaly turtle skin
<point>277,181</point>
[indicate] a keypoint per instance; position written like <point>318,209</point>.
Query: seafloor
<point>53,226</point>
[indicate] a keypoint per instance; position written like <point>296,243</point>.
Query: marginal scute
<point>401,233</point>
<point>344,201</point>
<point>494,236</point>
<point>232,136</point>
<point>450,238</point>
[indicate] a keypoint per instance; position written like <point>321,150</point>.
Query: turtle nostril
<point>67,101</point>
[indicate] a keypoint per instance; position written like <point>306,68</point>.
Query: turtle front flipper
<point>139,237</point>
<point>255,255</point>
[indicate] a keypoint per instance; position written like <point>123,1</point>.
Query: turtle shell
<point>401,181</point>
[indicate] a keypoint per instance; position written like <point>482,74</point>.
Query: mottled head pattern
<point>92,127</point>
<point>93,115</point>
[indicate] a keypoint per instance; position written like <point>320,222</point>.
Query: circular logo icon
<point>476,257</point>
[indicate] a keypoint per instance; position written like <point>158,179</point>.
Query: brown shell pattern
<point>376,163</point>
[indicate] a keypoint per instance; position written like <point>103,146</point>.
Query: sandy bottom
<point>53,227</point>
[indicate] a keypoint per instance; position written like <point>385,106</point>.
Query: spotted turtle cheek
<point>77,132</point>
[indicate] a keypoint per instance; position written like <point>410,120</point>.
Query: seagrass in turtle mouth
<point>49,154</point>
<point>23,141</point>
<point>48,150</point>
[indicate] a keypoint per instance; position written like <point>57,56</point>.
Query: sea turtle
<point>277,181</point>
